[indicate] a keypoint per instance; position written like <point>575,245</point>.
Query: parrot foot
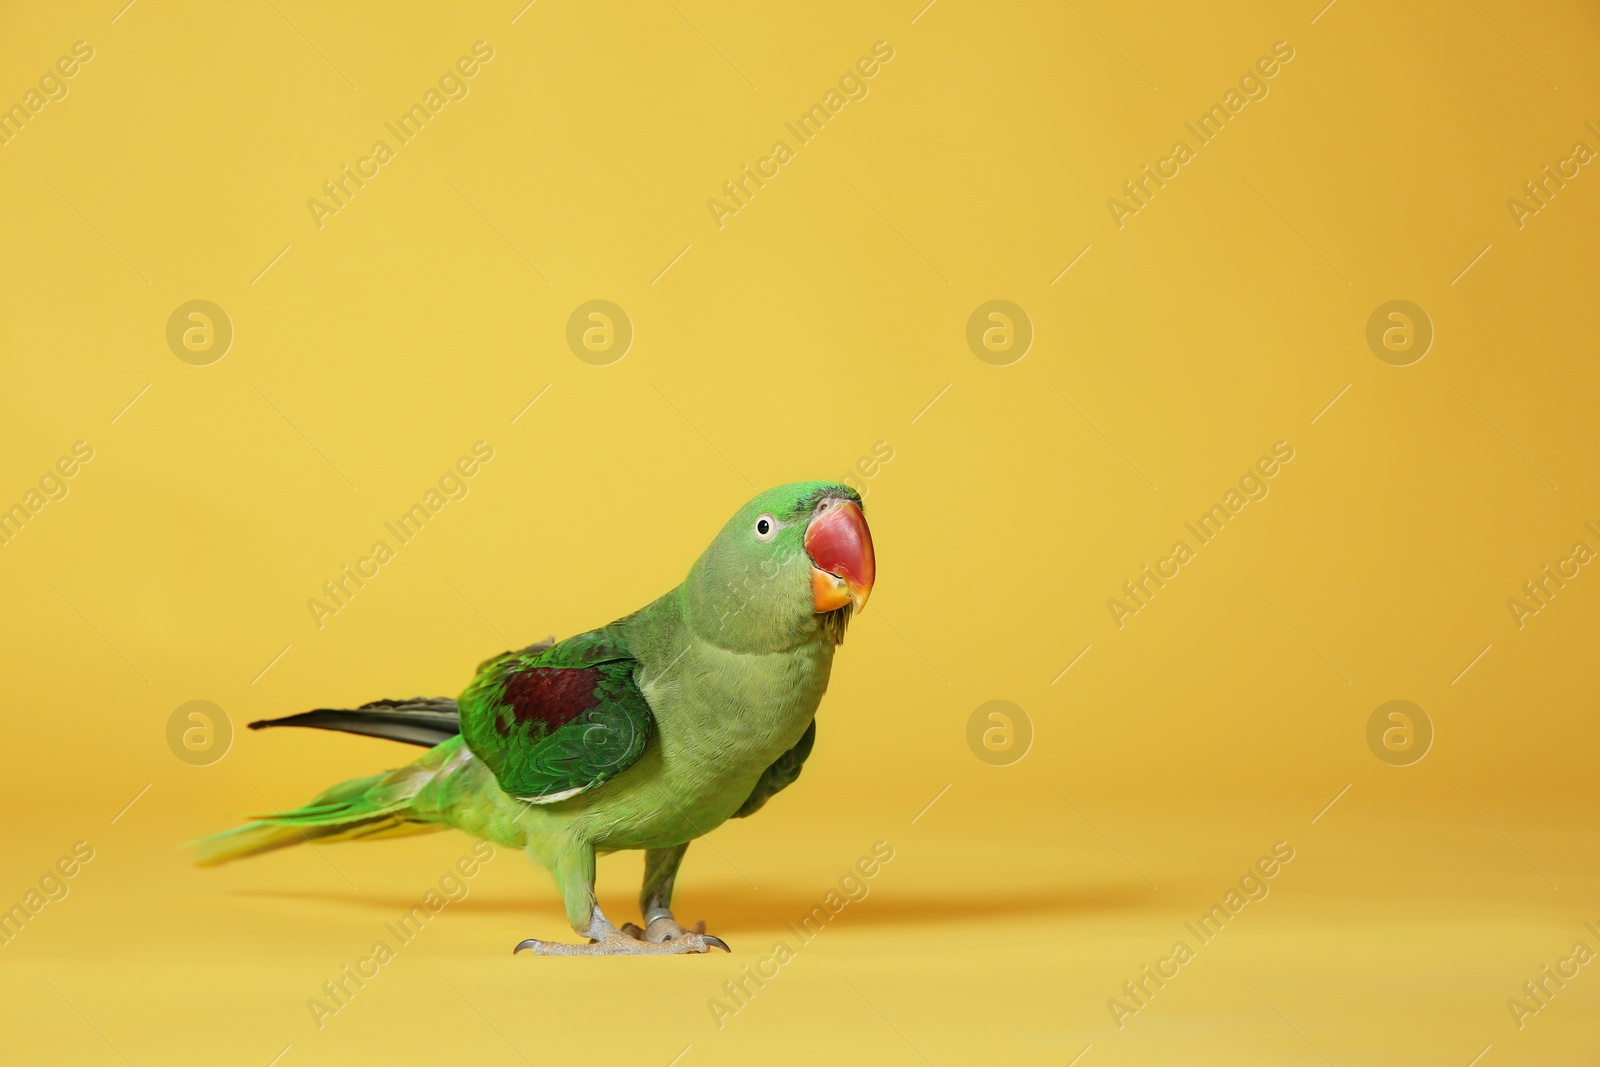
<point>620,944</point>
<point>607,940</point>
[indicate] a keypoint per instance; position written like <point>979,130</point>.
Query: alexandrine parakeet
<point>644,734</point>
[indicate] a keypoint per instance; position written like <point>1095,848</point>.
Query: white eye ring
<point>766,528</point>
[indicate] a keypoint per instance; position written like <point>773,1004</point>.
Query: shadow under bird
<point>643,734</point>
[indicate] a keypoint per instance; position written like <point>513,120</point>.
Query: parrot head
<point>794,562</point>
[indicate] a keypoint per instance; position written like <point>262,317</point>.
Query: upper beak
<point>840,546</point>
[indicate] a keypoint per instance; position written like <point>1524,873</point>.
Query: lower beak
<point>843,567</point>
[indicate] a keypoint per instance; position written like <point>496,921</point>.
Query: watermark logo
<point>1540,991</point>
<point>340,590</point>
<point>599,333</point>
<point>51,87</point>
<point>1251,888</point>
<point>52,888</point>
<point>340,991</point>
<point>999,333</point>
<point>999,733</point>
<point>453,85</point>
<point>854,886</point>
<point>1538,591</point>
<point>868,467</point>
<point>52,486</point>
<point>1399,333</point>
<point>1537,193</point>
<point>1399,733</point>
<point>737,193</point>
<point>199,333</point>
<point>1139,591</point>
<point>199,733</point>
<point>1140,190</point>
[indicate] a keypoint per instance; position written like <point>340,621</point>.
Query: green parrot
<point>644,734</point>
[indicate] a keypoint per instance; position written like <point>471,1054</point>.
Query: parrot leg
<point>655,900</point>
<point>574,873</point>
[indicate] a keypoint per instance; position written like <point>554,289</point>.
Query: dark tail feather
<point>425,721</point>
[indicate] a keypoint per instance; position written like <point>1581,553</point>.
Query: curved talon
<point>711,939</point>
<point>531,942</point>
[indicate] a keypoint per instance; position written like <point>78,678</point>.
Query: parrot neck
<point>748,620</point>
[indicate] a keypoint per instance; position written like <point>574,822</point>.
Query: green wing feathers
<point>553,722</point>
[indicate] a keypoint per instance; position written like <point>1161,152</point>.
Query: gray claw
<point>713,940</point>
<point>531,942</point>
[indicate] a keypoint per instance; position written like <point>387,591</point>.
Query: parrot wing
<point>784,770</point>
<point>551,722</point>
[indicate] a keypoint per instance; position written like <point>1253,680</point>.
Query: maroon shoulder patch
<point>552,696</point>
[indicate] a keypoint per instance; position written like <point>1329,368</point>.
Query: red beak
<point>843,566</point>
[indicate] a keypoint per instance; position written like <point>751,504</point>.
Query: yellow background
<point>821,319</point>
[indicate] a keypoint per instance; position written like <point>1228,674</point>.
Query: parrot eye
<point>766,527</point>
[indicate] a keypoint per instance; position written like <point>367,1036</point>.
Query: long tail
<point>376,806</point>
